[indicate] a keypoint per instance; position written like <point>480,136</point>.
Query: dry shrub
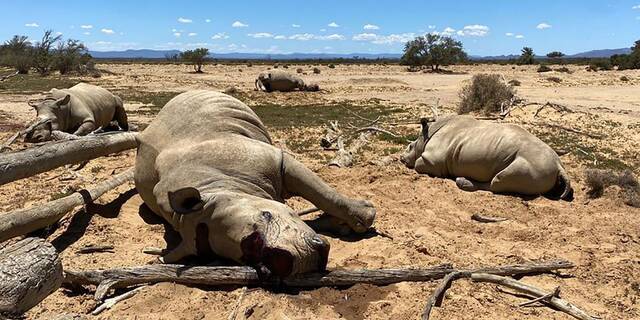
<point>299,70</point>
<point>331,66</point>
<point>554,79</point>
<point>515,83</point>
<point>543,68</point>
<point>316,70</point>
<point>486,92</point>
<point>598,180</point>
<point>563,70</point>
<point>624,78</point>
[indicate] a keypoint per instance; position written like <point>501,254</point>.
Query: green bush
<point>599,65</point>
<point>17,53</point>
<point>563,70</point>
<point>486,92</point>
<point>197,58</point>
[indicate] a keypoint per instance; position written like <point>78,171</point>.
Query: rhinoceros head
<point>51,109</point>
<point>415,148</point>
<point>255,231</point>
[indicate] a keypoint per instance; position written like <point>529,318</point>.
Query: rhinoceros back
<point>201,115</point>
<point>90,99</point>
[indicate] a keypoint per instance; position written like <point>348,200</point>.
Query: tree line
<point>51,53</point>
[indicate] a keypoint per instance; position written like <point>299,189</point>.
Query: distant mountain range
<point>161,54</point>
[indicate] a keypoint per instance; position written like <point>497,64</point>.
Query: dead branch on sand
<point>247,276</point>
<point>487,219</point>
<point>22,133</point>
<point>23,221</point>
<point>23,164</point>
<point>3,78</point>
<point>109,303</point>
<point>539,295</point>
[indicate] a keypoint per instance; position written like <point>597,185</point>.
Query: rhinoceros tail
<point>562,189</point>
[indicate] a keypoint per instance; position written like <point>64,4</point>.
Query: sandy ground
<point>428,218</point>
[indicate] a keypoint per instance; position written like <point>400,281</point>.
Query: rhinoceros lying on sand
<point>80,110</point>
<point>207,166</point>
<point>275,80</point>
<point>502,158</point>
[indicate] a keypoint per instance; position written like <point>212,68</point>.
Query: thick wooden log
<point>23,221</point>
<point>23,164</point>
<point>30,270</point>
<point>247,276</point>
<point>344,157</point>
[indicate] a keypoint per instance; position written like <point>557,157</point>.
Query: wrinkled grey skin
<point>207,166</point>
<point>276,80</point>
<point>502,158</point>
<point>80,110</point>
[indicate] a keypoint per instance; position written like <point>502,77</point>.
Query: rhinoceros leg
<point>86,128</point>
<point>299,180</point>
<point>121,116</point>
<point>471,185</point>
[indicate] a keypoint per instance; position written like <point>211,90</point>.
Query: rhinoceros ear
<point>425,125</point>
<point>63,101</point>
<point>186,200</point>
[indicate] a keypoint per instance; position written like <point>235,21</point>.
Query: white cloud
<point>333,25</point>
<point>260,35</point>
<point>331,37</point>
<point>295,25</point>
<point>543,25</point>
<point>474,30</point>
<point>431,27</point>
<point>220,35</point>
<point>207,20</point>
<point>384,39</point>
<point>370,27</point>
<point>519,36</point>
<point>184,20</point>
<point>310,36</point>
<point>302,36</point>
<point>323,30</point>
<point>86,26</point>
<point>279,37</point>
<point>102,43</point>
<point>239,24</point>
<point>32,25</point>
<point>636,7</point>
<point>177,34</point>
<point>448,31</point>
<point>107,31</point>
<point>192,34</point>
<point>86,33</point>
<point>509,34</point>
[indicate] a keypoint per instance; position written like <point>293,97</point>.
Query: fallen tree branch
<point>545,298</point>
<point>375,129</point>
<point>23,164</point>
<point>307,211</point>
<point>3,78</point>
<point>247,276</point>
<point>344,157</point>
<point>23,221</point>
<point>556,302</point>
<point>487,219</point>
<point>109,303</point>
<point>234,313</point>
<point>558,107</point>
<point>560,127</point>
<point>94,248</point>
<point>436,297</point>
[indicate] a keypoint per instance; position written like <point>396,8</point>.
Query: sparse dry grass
<point>598,180</point>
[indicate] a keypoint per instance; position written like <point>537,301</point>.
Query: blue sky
<point>330,26</point>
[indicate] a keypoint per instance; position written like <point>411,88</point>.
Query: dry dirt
<point>428,218</point>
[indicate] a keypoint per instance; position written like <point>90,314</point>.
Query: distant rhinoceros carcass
<point>502,158</point>
<point>275,80</point>
<point>79,110</point>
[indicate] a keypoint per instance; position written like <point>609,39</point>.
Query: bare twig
<point>112,301</point>
<point>94,248</point>
<point>3,78</point>
<point>375,129</point>
<point>545,298</point>
<point>437,296</point>
<point>558,303</point>
<point>487,219</point>
<point>234,313</point>
<point>24,132</point>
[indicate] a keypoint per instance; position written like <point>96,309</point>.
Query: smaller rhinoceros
<point>501,158</point>
<point>80,110</point>
<point>275,80</point>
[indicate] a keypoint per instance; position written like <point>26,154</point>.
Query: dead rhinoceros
<point>502,158</point>
<point>80,110</point>
<point>274,80</point>
<point>207,166</point>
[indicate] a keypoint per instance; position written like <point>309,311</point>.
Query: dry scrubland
<point>428,218</point>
